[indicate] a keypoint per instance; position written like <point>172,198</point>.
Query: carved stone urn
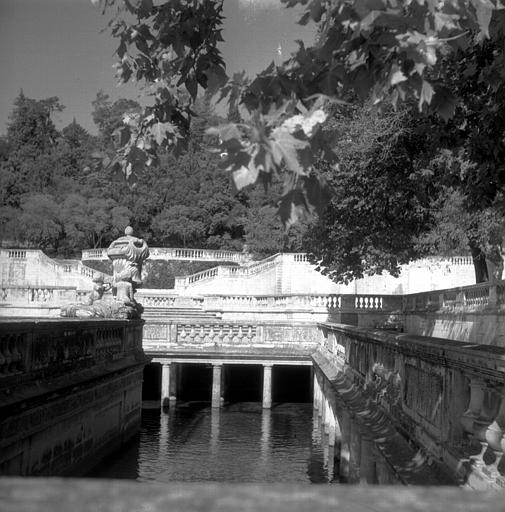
<point>127,253</point>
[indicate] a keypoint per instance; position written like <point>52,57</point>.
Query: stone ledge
<point>55,495</point>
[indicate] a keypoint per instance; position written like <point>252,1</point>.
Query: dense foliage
<point>444,60</point>
<point>56,195</point>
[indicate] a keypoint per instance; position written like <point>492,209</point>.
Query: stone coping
<point>484,360</point>
<point>7,322</point>
<point>87,495</point>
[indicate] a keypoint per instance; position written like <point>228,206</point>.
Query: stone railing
<point>249,270</point>
<point>216,335</point>
<point>449,396</point>
<point>48,295</point>
<point>180,254</point>
<point>31,350</point>
<point>261,302</point>
<point>477,296</point>
<point>153,298</point>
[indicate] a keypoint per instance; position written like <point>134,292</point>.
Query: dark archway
<point>291,384</point>
<point>194,383</point>
<point>243,383</point>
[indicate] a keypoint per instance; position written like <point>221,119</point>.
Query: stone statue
<point>127,253</point>
<point>99,288</point>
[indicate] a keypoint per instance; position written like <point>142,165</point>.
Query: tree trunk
<point>494,262</point>
<point>479,264</point>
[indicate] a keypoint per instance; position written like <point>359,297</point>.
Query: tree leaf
<point>289,145</point>
<point>444,103</point>
<point>292,207</point>
<point>426,94</point>
<point>484,10</point>
<point>160,131</point>
<point>245,175</point>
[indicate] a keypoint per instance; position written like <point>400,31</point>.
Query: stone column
<point>267,386</point>
<point>216,384</point>
<point>367,470</point>
<point>332,427</point>
<point>174,371</point>
<point>345,446</point>
<point>316,392</point>
<point>354,453</point>
<point>165,384</point>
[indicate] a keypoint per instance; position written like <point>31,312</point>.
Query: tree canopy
<point>439,62</point>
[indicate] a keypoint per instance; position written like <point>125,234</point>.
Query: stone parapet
<point>178,254</point>
<point>70,393</point>
<point>40,349</point>
<point>165,337</point>
<point>78,495</point>
<point>446,396</point>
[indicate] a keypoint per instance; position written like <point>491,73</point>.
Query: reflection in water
<point>244,443</point>
<point>238,443</point>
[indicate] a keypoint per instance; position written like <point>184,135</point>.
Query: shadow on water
<point>239,443</point>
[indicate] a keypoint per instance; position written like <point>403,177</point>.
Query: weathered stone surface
<point>57,495</point>
<point>70,393</point>
<point>446,396</point>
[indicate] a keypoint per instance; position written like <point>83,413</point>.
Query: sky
<point>59,48</point>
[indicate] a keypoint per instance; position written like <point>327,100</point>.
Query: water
<point>238,443</point>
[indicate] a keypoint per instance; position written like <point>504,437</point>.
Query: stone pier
<point>267,386</point>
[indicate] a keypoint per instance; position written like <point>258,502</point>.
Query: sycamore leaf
<point>318,193</point>
<point>216,79</point>
<point>444,103</point>
<point>426,94</point>
<point>289,145</point>
<point>225,131</point>
<point>160,131</point>
<point>245,176</point>
<point>292,207</point>
<point>397,77</point>
<point>484,10</point>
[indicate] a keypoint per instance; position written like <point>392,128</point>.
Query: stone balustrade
<point>162,336</point>
<point>167,298</point>
<point>255,302</point>
<point>34,349</point>
<point>50,295</point>
<point>468,297</point>
<point>448,396</point>
<point>180,254</point>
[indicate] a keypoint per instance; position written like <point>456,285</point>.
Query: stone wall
<point>70,393</point>
<point>292,273</point>
<point>446,397</point>
<point>57,495</point>
<point>26,267</point>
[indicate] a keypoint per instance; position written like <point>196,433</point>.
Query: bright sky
<point>56,48</point>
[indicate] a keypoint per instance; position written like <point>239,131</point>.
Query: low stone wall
<point>485,327</point>
<point>218,336</point>
<point>445,396</point>
<point>70,393</point>
<point>57,495</point>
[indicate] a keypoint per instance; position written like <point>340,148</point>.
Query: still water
<point>238,443</point>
